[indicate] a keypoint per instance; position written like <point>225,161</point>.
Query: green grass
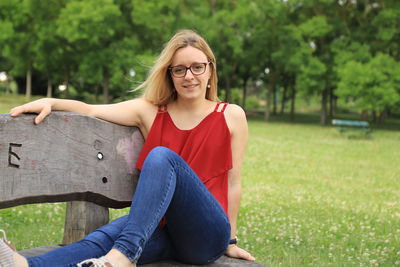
<point>8,101</point>
<point>315,198</point>
<point>311,197</point>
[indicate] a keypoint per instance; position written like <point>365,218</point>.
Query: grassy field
<point>311,197</point>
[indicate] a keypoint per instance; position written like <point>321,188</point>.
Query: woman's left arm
<point>237,123</point>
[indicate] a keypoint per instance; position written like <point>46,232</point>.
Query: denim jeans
<point>197,229</point>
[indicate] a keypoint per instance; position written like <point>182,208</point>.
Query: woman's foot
<point>8,256</point>
<point>6,251</point>
<point>114,258</point>
<point>100,262</point>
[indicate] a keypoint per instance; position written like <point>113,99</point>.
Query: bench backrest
<point>350,123</point>
<point>67,157</point>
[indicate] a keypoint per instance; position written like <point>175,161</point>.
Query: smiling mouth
<point>189,86</point>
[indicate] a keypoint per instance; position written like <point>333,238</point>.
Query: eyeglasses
<point>196,69</point>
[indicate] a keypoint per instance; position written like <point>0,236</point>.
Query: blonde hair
<point>158,87</point>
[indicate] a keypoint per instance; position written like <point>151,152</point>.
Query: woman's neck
<point>191,106</point>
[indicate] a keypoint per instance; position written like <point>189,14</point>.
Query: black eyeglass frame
<point>189,68</point>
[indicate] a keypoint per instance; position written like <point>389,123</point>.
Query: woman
<point>187,199</point>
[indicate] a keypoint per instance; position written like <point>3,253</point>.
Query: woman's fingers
<point>41,106</point>
<point>236,252</point>
<point>43,114</point>
<point>247,256</point>
<point>16,111</point>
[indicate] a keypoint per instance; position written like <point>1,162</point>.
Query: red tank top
<point>206,148</point>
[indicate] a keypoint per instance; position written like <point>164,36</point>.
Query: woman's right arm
<point>125,113</point>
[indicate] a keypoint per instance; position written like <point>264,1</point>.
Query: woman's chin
<point>191,95</point>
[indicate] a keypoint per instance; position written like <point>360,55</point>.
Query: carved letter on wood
<point>12,154</point>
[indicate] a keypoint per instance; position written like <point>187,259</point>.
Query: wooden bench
<point>349,125</point>
<point>86,162</point>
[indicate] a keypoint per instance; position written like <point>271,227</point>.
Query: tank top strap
<point>225,104</point>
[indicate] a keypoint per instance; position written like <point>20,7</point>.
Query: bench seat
<point>221,262</point>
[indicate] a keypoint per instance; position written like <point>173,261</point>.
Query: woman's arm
<point>237,123</point>
<point>128,113</point>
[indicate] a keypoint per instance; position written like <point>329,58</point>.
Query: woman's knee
<point>159,156</point>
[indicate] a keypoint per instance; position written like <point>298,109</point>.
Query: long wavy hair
<point>158,87</point>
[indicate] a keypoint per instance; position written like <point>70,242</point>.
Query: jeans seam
<point>133,257</point>
<point>161,205</point>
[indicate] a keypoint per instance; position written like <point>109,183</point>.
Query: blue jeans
<point>197,229</point>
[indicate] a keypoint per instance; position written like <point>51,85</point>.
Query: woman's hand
<point>42,107</point>
<point>234,251</point>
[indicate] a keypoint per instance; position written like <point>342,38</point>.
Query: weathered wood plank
<point>82,218</point>
<point>67,157</point>
<point>221,262</point>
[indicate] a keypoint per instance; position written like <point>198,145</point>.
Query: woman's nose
<point>189,75</point>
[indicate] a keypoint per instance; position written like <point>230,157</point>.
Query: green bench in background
<point>350,125</point>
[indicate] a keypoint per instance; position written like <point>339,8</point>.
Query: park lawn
<point>8,101</point>
<point>311,197</point>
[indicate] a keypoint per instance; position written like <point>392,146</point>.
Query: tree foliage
<point>331,48</point>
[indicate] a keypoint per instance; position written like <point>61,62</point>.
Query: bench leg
<point>81,218</point>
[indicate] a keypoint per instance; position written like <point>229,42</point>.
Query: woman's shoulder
<point>235,118</point>
<point>235,112</point>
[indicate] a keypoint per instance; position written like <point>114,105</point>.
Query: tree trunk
<point>244,96</point>
<point>28,92</point>
<point>323,117</point>
<point>213,7</point>
<point>293,103</point>
<point>49,89</point>
<point>66,83</point>
<point>106,81</point>
<point>364,115</point>
<point>332,104</point>
<point>382,117</point>
<point>283,101</point>
<point>96,93</point>
<point>374,117</point>
<point>228,93</point>
<point>274,97</point>
<point>267,113</point>
<point>270,95</point>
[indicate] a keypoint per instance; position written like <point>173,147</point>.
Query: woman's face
<point>190,86</point>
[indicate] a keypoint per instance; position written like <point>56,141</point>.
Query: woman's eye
<point>198,67</point>
<point>179,70</point>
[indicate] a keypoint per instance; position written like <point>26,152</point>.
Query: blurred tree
<point>292,48</point>
<point>91,27</point>
<point>373,85</point>
<point>19,37</point>
<point>267,30</point>
<point>53,54</point>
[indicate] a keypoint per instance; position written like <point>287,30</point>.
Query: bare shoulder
<point>235,118</point>
<point>235,112</point>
